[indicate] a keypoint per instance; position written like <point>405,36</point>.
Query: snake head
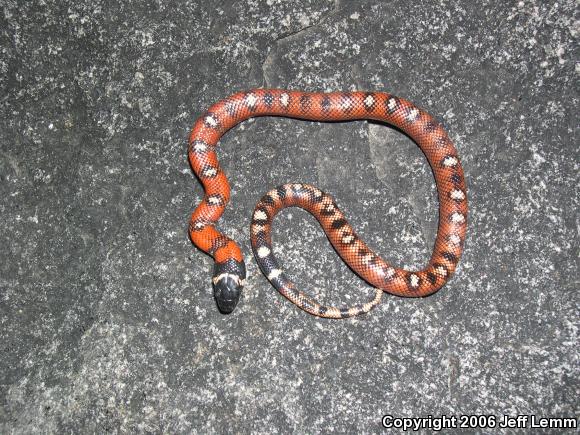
<point>227,289</point>
<point>228,281</point>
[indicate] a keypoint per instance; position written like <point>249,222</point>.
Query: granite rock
<point>107,321</point>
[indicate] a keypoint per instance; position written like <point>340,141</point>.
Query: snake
<point>229,270</point>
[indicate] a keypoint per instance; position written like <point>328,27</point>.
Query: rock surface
<point>107,321</point>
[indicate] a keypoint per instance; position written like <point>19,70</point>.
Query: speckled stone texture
<point>107,319</point>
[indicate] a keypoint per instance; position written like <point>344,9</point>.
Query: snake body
<point>229,268</point>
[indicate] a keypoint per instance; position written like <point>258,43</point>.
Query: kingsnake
<point>229,269</point>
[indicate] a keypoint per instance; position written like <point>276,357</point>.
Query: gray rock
<point>107,321</point>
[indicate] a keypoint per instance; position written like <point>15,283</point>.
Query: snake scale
<point>229,269</point>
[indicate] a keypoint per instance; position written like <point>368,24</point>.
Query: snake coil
<point>229,268</point>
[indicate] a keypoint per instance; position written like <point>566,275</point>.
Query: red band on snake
<point>229,269</point>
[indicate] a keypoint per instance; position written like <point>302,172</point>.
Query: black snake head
<point>227,290</point>
<point>228,281</point>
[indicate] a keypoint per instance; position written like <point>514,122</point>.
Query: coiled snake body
<point>229,269</point>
